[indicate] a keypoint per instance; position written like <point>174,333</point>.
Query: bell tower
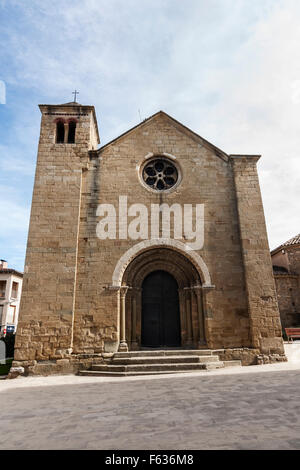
<point>68,132</point>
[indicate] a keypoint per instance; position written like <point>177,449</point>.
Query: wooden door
<point>160,311</point>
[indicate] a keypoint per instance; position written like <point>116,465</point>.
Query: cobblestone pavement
<point>238,411</point>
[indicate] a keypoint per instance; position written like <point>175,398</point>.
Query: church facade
<point>155,240</point>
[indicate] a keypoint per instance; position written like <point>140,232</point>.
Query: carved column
<point>182,316</point>
<point>198,292</point>
<point>188,303</point>
<point>66,126</point>
<point>135,293</point>
<point>123,344</point>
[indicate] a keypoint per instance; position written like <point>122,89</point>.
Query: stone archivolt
<point>189,284</point>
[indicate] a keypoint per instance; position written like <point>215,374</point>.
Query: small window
<point>2,289</point>
<point>60,132</point>
<point>71,134</point>
<point>1,313</point>
<point>14,290</point>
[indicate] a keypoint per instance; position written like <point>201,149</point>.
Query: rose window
<point>160,174</point>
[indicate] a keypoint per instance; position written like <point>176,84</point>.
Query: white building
<point>10,295</point>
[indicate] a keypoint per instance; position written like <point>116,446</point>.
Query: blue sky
<point>228,69</point>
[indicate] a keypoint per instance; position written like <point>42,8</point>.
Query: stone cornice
<point>236,157</point>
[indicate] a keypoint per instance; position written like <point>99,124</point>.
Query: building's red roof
<point>292,241</point>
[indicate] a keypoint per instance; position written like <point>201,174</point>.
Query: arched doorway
<point>160,311</point>
<point>187,296</point>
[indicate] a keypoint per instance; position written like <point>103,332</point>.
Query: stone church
<point>104,274</point>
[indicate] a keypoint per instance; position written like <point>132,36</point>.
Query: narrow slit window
<point>71,134</point>
<point>60,132</point>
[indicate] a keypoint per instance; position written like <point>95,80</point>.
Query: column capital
<point>197,290</point>
<point>136,289</point>
<point>123,290</point>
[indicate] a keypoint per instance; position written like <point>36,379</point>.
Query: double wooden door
<point>160,311</point>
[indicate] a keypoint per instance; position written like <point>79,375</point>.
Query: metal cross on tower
<point>75,93</point>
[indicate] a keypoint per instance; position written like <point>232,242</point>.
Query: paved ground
<point>245,408</point>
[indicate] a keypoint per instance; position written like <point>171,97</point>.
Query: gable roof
<point>292,241</point>
<point>224,156</point>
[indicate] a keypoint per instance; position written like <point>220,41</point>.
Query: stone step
<point>162,359</point>
<point>154,369</point>
<point>94,373</point>
<point>165,352</point>
<point>158,367</point>
<point>154,362</point>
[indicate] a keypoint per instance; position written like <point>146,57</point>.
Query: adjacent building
<point>10,295</point>
<point>286,268</point>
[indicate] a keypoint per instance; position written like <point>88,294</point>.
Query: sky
<point>228,69</point>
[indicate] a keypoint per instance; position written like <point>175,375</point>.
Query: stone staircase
<point>155,362</point>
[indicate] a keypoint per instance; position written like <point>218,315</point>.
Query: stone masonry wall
<point>287,287</point>
<point>293,253</point>
<point>261,293</point>
<point>47,305</point>
<point>206,179</point>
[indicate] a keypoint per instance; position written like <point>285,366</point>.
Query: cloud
<point>13,227</point>
<point>13,162</point>
<point>281,195</point>
<point>14,216</point>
